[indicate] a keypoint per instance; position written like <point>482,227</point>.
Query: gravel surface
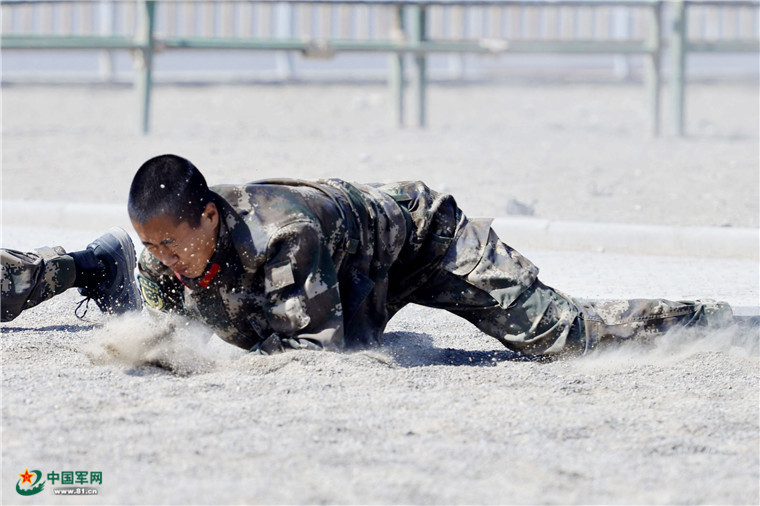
<point>572,152</point>
<point>441,413</point>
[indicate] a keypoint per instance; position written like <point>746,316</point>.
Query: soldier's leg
<point>539,321</point>
<point>30,278</point>
<point>494,287</point>
<point>643,319</point>
<point>104,271</point>
<point>491,285</point>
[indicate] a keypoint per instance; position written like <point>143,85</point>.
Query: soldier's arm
<point>160,289</point>
<point>301,287</point>
<point>163,295</point>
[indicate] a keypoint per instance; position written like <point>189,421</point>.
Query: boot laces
<point>86,303</point>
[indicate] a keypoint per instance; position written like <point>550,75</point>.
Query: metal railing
<point>322,28</point>
<point>736,31</point>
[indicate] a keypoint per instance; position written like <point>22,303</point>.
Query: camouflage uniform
<point>26,279</point>
<point>327,264</point>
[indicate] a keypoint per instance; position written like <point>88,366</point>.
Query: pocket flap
<point>278,276</point>
<point>467,249</point>
<point>480,257</point>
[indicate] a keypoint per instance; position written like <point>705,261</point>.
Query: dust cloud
<point>169,342</point>
<point>673,347</point>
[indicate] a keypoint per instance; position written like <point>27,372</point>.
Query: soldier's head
<point>173,213</point>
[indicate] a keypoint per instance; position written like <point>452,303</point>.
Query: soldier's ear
<point>211,214</point>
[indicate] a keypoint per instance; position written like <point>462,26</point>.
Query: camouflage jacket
<point>301,264</point>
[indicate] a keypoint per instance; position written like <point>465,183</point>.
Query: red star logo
<point>26,477</point>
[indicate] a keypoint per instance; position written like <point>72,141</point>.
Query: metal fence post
<point>420,82</point>
<point>621,31</point>
<point>285,19</point>
<point>396,81</point>
<point>144,60</point>
<point>652,73</point>
<point>678,64</point>
<point>106,22</point>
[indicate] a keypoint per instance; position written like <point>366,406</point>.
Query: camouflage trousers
<point>26,279</point>
<point>498,291</point>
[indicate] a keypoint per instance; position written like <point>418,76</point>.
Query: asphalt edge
<point>522,233</point>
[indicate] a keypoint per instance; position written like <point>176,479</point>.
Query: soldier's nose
<point>169,259</point>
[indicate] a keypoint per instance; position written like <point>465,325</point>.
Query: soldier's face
<point>184,249</point>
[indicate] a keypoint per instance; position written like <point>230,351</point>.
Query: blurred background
<point>633,111</point>
<point>601,22</point>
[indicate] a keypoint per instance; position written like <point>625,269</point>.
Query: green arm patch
<point>151,293</point>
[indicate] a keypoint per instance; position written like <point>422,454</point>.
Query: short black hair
<point>168,185</point>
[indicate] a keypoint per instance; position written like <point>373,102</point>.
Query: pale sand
<point>573,151</point>
<point>441,414</point>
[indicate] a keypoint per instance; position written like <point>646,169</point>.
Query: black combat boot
<point>105,273</point>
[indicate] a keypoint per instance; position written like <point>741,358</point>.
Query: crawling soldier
<point>281,264</point>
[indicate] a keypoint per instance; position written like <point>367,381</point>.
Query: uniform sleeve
<point>301,288</point>
<point>30,278</point>
<point>160,289</point>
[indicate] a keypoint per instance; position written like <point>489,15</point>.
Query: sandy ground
<point>441,413</point>
<point>572,151</point>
